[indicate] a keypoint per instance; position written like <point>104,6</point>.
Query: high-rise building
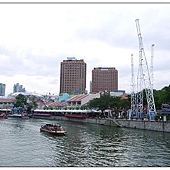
<point>18,88</point>
<point>2,89</point>
<point>73,76</point>
<point>104,78</point>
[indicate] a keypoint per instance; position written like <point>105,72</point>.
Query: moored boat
<point>54,129</point>
<point>2,117</point>
<point>76,116</point>
<point>41,115</point>
<point>15,115</point>
<point>25,117</point>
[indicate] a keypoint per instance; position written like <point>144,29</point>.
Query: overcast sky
<point>35,38</point>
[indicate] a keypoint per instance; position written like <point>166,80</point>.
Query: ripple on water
<point>85,145</point>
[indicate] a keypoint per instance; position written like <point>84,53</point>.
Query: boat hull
<point>15,115</point>
<point>52,130</point>
<point>76,116</point>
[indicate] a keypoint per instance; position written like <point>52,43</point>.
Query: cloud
<point>36,38</point>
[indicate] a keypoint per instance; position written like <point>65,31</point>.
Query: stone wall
<point>146,125</point>
<point>137,124</point>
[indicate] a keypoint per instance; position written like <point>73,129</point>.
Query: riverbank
<point>161,126</point>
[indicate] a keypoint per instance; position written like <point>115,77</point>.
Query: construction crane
<point>144,77</point>
<point>152,55</point>
<point>133,94</point>
<point>140,84</point>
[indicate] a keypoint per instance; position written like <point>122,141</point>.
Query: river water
<point>85,145</point>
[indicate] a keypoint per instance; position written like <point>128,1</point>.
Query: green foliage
<point>83,107</point>
<point>45,108</point>
<point>77,108</point>
<point>21,101</point>
<point>48,108</point>
<point>162,96</point>
<point>65,107</point>
<point>106,102</point>
<point>31,104</point>
<point>157,117</point>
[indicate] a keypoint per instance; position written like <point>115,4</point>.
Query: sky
<point>36,38</point>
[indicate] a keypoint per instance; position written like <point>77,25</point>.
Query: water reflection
<point>85,145</point>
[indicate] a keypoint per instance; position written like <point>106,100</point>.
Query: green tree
<point>106,101</point>
<point>162,96</point>
<point>158,98</point>
<point>31,104</point>
<point>21,101</point>
<point>165,94</point>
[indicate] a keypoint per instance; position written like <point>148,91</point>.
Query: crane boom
<point>145,75</point>
<point>152,55</point>
<point>133,95</point>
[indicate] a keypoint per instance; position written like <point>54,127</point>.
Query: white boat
<point>17,115</point>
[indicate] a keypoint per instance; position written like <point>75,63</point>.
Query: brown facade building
<point>73,76</point>
<point>104,78</point>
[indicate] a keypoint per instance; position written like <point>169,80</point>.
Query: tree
<point>106,101</point>
<point>101,103</point>
<point>26,103</point>
<point>21,101</point>
<point>162,96</point>
<point>31,104</point>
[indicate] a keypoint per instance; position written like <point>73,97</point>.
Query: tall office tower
<point>104,78</point>
<point>2,89</point>
<point>72,76</point>
<point>18,88</point>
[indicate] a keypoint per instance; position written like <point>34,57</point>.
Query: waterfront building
<point>104,78</point>
<point>64,97</point>
<point>81,99</point>
<point>18,88</point>
<point>2,89</point>
<point>73,76</point>
<point>7,103</point>
<point>41,104</point>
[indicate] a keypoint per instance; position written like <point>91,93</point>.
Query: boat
<point>15,115</point>
<point>2,117</point>
<point>54,129</point>
<point>41,115</point>
<point>25,117</point>
<point>76,116</point>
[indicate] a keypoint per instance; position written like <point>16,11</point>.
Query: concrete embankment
<point>146,125</point>
<point>137,124</point>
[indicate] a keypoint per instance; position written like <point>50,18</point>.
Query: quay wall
<point>162,126</point>
<point>146,125</point>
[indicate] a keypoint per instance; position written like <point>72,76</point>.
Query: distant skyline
<point>35,38</point>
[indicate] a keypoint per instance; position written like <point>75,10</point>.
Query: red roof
<point>49,102</point>
<point>7,100</point>
<point>124,96</point>
<point>57,103</point>
<point>77,98</point>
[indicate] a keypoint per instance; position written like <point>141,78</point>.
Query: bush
<point>148,117</point>
<point>157,117</point>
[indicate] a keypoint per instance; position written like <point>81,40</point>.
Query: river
<point>85,145</point>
